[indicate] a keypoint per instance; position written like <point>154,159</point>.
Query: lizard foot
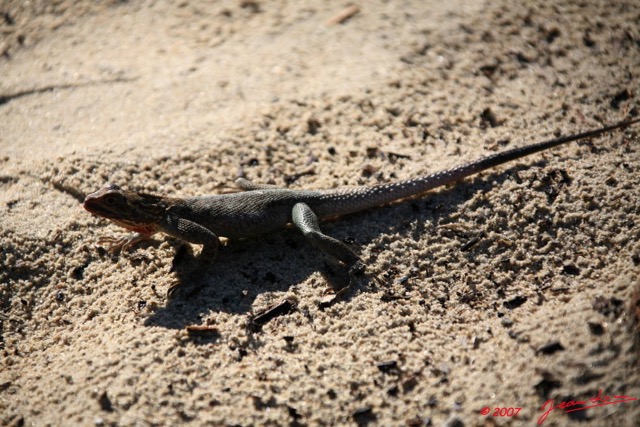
<point>340,276</point>
<point>116,245</point>
<point>182,289</point>
<point>189,276</point>
<point>357,268</point>
<point>113,245</point>
<point>336,275</point>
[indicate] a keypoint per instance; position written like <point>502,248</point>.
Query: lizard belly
<point>248,225</point>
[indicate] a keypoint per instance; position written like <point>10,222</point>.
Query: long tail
<point>345,201</point>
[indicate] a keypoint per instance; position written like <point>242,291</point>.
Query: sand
<point>515,287</point>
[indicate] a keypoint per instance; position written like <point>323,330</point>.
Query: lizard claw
<point>357,268</point>
<point>113,244</point>
<point>116,245</point>
<point>183,289</point>
<point>174,290</point>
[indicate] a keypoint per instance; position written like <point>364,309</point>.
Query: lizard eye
<point>110,200</point>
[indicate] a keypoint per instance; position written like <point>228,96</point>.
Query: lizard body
<point>264,209</point>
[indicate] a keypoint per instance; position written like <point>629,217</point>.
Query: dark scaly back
<point>345,201</point>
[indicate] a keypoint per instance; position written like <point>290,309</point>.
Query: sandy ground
<point>511,288</point>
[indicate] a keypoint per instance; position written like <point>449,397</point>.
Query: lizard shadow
<point>237,278</point>
<point>242,273</point>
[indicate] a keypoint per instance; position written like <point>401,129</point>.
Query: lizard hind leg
<point>307,222</point>
<point>246,185</point>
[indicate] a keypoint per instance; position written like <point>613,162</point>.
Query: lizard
<point>259,208</point>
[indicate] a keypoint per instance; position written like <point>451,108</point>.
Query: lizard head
<point>135,211</point>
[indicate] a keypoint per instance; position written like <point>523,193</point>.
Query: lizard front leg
<point>193,232</point>
<point>307,222</point>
